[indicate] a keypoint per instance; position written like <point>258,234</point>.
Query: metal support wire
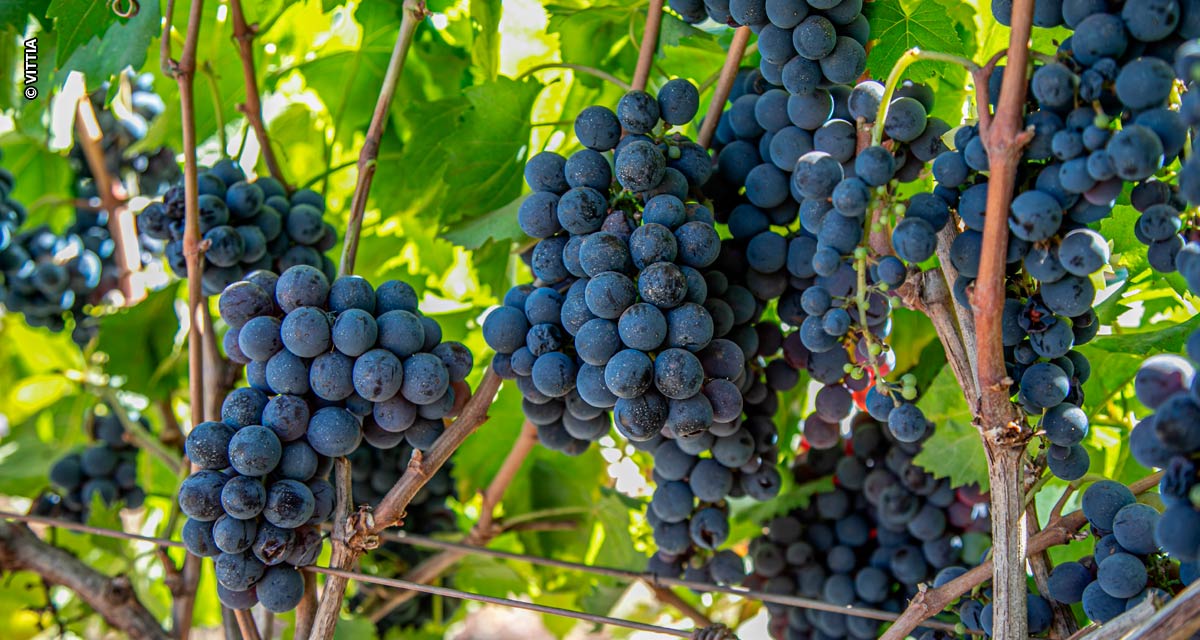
<point>433,543</point>
<point>396,583</point>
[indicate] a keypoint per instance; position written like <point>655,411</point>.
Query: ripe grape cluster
<point>329,367</point>
<point>105,472</point>
<point>803,43</point>
<point>617,319</point>
<point>1125,566</point>
<point>247,226</point>
<point>640,309</point>
<point>797,156</point>
<point>886,527</point>
<point>1101,117</point>
<point>1165,439</point>
<point>48,275</point>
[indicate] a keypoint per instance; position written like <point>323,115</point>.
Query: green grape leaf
<point>355,628</point>
<point>467,158</point>
<point>77,23</point>
<point>580,26</point>
<point>495,226</point>
<point>1156,338</point>
<point>144,345</point>
<point>485,49</point>
<point>124,44</point>
<point>15,13</point>
<point>481,574</point>
<point>897,26</point>
<point>612,544</point>
<point>1111,374</point>
<point>954,450</point>
<point>912,335</point>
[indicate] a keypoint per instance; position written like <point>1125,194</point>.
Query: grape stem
<point>184,71</point>
<point>641,73</point>
<point>252,109</point>
<point>218,107</point>
<point>733,59</point>
<point>414,13</point>
<point>907,59</point>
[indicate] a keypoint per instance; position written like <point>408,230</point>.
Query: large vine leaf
<point>77,23</point>
<point>124,44</point>
<point>15,13</point>
<point>144,345</point>
<point>499,225</point>
<point>954,450</point>
<point>466,159</point>
<point>899,25</point>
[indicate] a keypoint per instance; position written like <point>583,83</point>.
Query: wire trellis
<point>433,543</point>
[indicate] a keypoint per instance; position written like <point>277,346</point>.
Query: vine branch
<point>113,199</point>
<point>244,35</point>
<point>484,531</point>
<point>414,12</point>
<point>930,602</point>
<point>355,533</point>
<point>641,74</point>
<point>113,598</point>
<point>1001,426</point>
<point>184,71</point>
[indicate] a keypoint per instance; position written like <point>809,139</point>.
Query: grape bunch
<point>366,361</point>
<point>249,226</point>
<point>329,367</point>
<point>373,472</point>
<point>1101,117</point>
<point>45,276</point>
<point>796,156</point>
<point>803,43</point>
<point>151,172</point>
<point>696,477</point>
<point>1125,566</point>
<point>1165,439</point>
<point>617,319</point>
<point>105,472</point>
<point>49,275</point>
<point>886,527</point>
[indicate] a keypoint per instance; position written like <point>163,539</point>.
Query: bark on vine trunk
<point>1001,426</point>
<point>113,598</point>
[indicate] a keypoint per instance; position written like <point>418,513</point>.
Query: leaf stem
<point>579,68</point>
<point>907,59</point>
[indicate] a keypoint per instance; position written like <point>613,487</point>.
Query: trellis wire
<point>386,582</point>
<point>397,583</point>
<point>433,543</point>
<point>624,574</point>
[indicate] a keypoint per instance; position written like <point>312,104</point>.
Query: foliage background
<point>480,94</point>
